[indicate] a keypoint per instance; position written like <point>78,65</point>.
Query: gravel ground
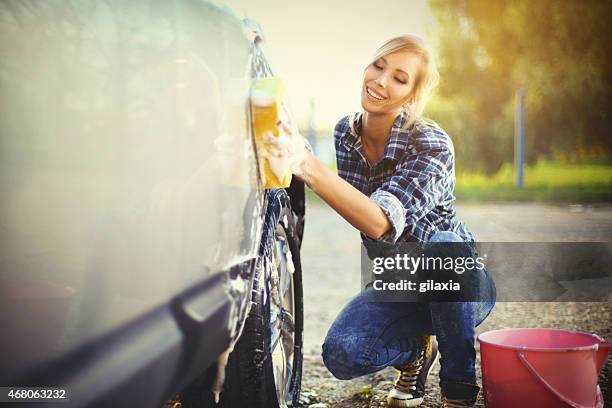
<point>330,258</point>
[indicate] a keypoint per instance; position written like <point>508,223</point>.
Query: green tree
<point>559,51</point>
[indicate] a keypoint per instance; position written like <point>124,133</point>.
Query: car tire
<point>261,371</point>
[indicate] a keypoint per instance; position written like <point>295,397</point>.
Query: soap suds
<point>261,98</point>
<point>290,265</point>
<point>220,379</point>
<point>237,290</point>
<point>278,154</point>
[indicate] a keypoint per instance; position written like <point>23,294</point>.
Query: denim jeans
<point>368,336</point>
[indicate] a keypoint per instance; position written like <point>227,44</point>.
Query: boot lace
<point>407,377</point>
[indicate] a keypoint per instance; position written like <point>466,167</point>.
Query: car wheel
<point>264,369</point>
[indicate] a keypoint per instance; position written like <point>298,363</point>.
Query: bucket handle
<point>534,372</point>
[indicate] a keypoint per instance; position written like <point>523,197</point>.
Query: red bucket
<point>542,368</point>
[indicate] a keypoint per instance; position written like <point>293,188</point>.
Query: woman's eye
<point>401,81</point>
<point>377,66</point>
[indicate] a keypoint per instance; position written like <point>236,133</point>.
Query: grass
<point>545,181</point>
<point>364,392</point>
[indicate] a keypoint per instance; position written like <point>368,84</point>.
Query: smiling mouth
<point>374,95</point>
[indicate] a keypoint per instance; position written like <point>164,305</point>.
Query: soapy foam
<point>290,265</point>
<point>284,151</point>
<point>237,289</point>
<point>277,152</point>
<point>261,98</point>
<point>220,379</point>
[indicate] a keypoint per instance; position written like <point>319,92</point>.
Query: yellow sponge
<point>266,104</point>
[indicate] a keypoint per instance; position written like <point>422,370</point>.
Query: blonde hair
<point>426,80</point>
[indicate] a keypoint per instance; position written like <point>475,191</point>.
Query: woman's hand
<point>295,146</point>
<point>354,206</point>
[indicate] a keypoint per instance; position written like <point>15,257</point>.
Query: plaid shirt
<point>412,183</point>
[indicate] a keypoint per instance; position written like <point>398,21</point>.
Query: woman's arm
<point>354,206</point>
<point>418,183</point>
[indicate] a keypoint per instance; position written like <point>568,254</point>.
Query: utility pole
<point>519,137</point>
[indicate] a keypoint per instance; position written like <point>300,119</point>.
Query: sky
<point>320,48</point>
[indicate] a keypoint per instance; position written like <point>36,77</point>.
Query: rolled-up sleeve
<point>416,186</point>
<point>394,209</point>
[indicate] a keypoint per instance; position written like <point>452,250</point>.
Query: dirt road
<point>330,257</point>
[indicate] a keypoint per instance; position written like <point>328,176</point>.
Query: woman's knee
<point>344,356</point>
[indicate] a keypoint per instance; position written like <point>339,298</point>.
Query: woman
<point>395,184</point>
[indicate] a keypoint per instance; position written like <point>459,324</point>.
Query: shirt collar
<point>398,141</point>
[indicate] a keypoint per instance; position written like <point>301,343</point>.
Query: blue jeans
<point>368,336</point>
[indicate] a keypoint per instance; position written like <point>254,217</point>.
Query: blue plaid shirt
<point>412,183</point>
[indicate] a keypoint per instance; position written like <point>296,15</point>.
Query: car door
<point>129,192</point>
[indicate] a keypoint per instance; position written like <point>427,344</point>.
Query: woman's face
<point>388,82</point>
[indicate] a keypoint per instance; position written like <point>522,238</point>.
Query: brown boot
<point>460,395</point>
<point>409,388</point>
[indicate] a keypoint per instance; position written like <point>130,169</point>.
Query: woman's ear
<point>410,100</point>
<point>413,98</point>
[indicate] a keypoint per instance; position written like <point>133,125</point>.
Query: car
<point>142,260</point>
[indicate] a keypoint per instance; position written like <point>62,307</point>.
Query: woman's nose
<point>381,81</point>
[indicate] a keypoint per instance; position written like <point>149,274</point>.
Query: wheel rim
<point>282,312</point>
